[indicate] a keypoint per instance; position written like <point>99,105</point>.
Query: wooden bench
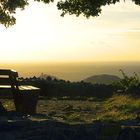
<point>25,96</point>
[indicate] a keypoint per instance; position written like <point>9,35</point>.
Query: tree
<point>86,7</point>
<point>8,9</point>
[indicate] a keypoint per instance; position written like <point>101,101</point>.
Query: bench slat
<point>5,81</point>
<point>5,87</point>
<point>26,87</point>
<point>20,87</point>
<point>5,72</point>
<point>8,72</point>
<point>8,81</point>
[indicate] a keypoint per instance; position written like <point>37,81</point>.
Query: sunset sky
<point>42,35</point>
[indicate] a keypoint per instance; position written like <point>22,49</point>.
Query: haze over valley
<point>74,71</point>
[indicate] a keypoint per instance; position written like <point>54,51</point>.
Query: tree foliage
<point>86,7</point>
<point>8,9</point>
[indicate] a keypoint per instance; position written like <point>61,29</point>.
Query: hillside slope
<point>102,79</point>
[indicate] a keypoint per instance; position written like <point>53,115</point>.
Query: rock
<point>67,108</point>
<point>59,134</point>
<point>128,134</point>
<point>109,131</point>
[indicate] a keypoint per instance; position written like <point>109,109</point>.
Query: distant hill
<point>102,79</point>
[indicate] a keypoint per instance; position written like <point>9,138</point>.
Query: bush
<point>128,83</point>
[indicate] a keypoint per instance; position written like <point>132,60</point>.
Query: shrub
<point>128,83</point>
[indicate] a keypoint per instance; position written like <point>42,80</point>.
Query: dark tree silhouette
<point>86,7</point>
<point>8,9</point>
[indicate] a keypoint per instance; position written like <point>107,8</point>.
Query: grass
<point>116,108</point>
<point>120,107</point>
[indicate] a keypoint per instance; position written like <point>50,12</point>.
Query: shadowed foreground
<point>67,119</point>
<point>18,127</point>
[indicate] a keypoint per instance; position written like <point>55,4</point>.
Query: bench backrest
<point>9,77</point>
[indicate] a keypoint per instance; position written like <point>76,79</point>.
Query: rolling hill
<point>102,79</point>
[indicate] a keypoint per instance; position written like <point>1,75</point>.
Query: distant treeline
<point>53,87</point>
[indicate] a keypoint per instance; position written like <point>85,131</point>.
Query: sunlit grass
<point>116,108</point>
<point>87,110</point>
<point>120,107</point>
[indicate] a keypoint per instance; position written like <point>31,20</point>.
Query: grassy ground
<point>87,110</point>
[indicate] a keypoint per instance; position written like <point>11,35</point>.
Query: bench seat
<point>23,87</point>
<point>25,96</point>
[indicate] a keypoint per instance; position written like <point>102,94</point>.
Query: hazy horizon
<point>72,48</point>
<point>73,71</point>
